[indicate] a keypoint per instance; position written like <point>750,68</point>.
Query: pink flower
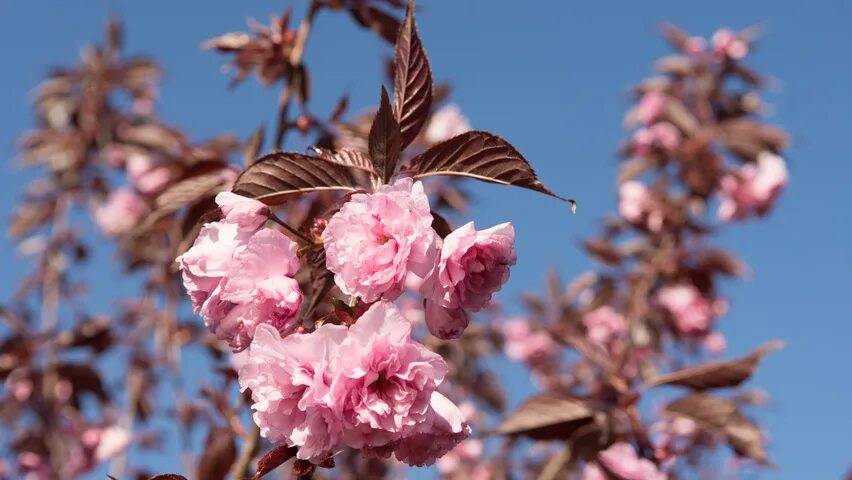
<point>239,279</point>
<point>385,379</point>
<point>443,427</point>
<point>445,124</point>
<point>522,344</point>
<point>691,312</point>
<point>468,451</point>
<point>145,175</point>
<point>682,427</point>
<point>651,107</point>
<point>694,46</point>
<point>661,136</point>
<point>726,43</point>
<point>259,289</point>
<point>472,266</point>
<point>603,325</point>
<point>622,460</point>
<point>377,238</point>
<point>247,213</point>
<point>121,212</point>
<point>290,381</point>
<point>445,323</point>
<point>753,188</point>
<point>637,205</point>
<point>715,342</point>
<point>111,441</point>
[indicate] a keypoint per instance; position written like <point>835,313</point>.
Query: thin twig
<point>300,236</point>
<point>135,381</point>
<point>251,444</point>
<point>295,61</point>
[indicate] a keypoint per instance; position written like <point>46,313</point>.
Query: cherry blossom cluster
<point>240,275</point>
<point>377,241</point>
<point>367,386</point>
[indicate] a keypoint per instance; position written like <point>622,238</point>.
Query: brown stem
<point>299,235</point>
<point>52,272</point>
<point>251,444</point>
<point>295,61</point>
<point>135,381</point>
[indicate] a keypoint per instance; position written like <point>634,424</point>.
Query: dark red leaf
<point>441,225</point>
<point>729,373</point>
<point>547,417</point>
<point>603,250</point>
<point>384,24</point>
<point>168,476</point>
<point>219,454</point>
<point>273,459</point>
<point>277,176</point>
<point>253,146</point>
<point>723,416</point>
<point>412,80</point>
<point>384,139</point>
<point>346,156</point>
<point>483,156</point>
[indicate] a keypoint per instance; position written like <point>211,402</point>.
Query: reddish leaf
<point>187,191</point>
<point>722,415</point>
<point>441,225</point>
<point>729,373</point>
<point>277,176</point>
<point>482,156</point>
<point>384,139</point>
<point>547,417</point>
<point>602,250</point>
<point>384,24</point>
<point>348,157</point>
<point>168,476</point>
<point>219,454</point>
<point>412,80</point>
<point>253,146</point>
<point>273,459</point>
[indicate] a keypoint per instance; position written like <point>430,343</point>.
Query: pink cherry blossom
<point>120,213</point>
<point>146,176</point>
<point>691,312</point>
<point>468,451</point>
<point>209,260</point>
<point>376,239</point>
<point>260,289</point>
<point>240,279</point>
<point>651,107</point>
<point>444,426</point>
<point>473,265</point>
<point>694,45</point>
<point>727,43</point>
<point>445,323</point>
<point>661,136</point>
<point>715,343</point>
<point>621,459</point>
<point>385,379</point>
<point>603,325</point>
<point>445,124</point>
<point>247,213</point>
<point>111,441</point>
<point>523,344</point>
<point>290,381</point>
<point>637,205</point>
<point>753,188</point>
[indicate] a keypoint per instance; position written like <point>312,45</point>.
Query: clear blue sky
<point>551,77</point>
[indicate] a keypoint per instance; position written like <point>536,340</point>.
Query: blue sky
<point>551,77</point>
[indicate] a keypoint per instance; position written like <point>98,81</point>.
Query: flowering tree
<point>347,325</point>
